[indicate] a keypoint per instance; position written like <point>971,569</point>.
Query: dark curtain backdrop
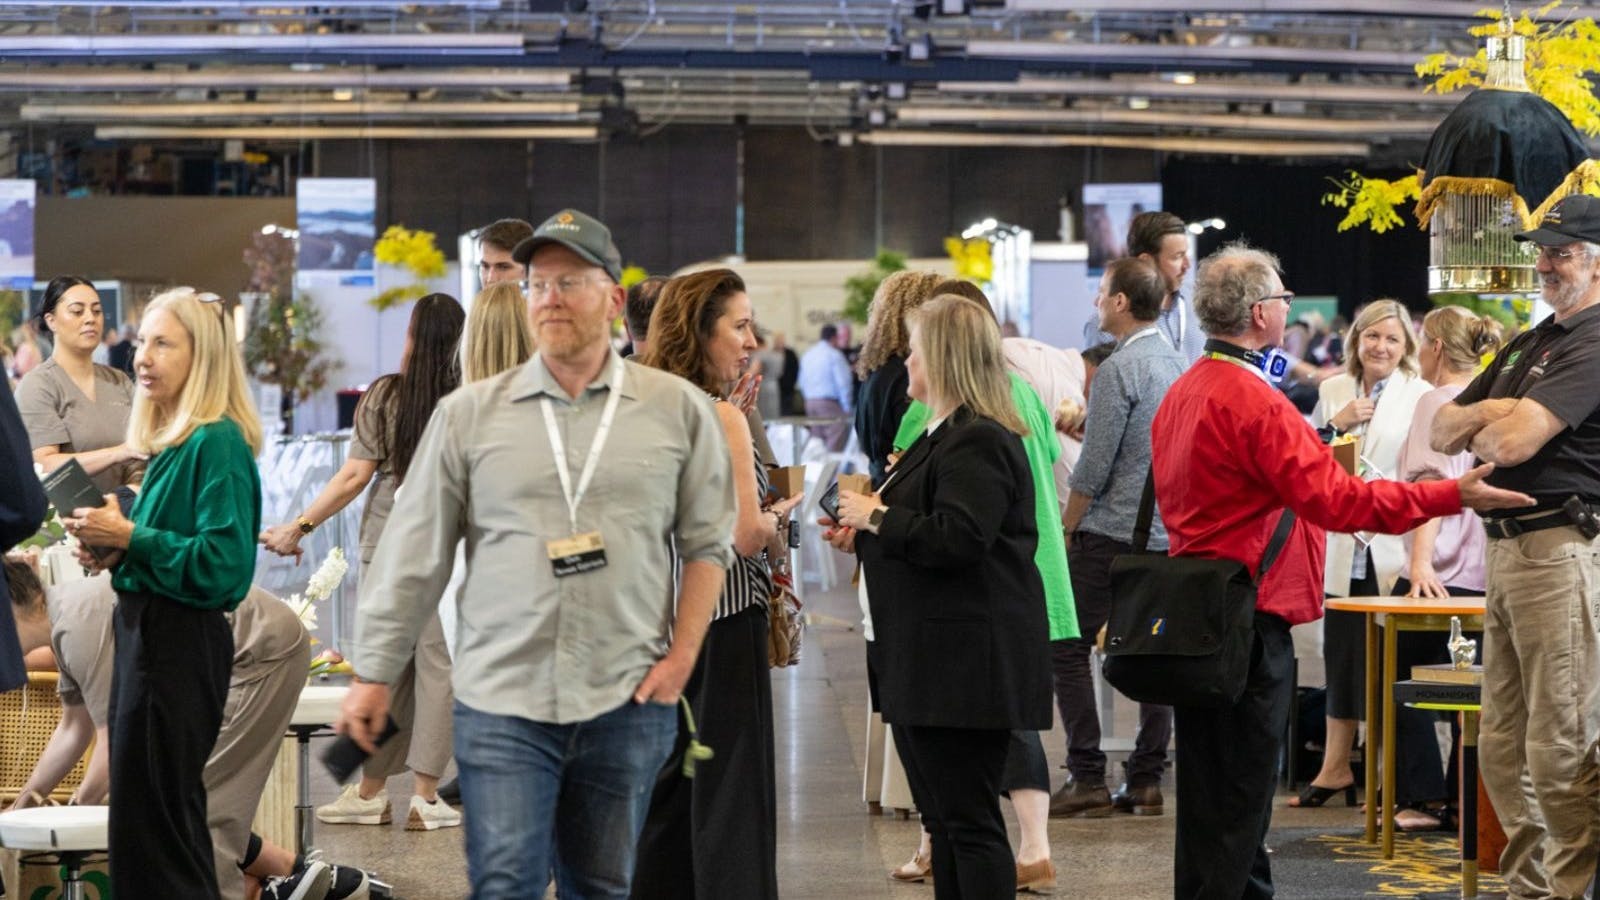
<point>1278,207</point>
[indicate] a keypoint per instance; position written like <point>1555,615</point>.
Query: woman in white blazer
<point>1373,399</point>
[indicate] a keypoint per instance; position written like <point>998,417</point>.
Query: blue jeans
<point>569,798</point>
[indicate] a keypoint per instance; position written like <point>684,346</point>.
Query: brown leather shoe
<point>1144,800</point>
<point>1037,877</point>
<point>1081,801</point>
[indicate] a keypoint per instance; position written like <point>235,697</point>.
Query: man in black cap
<point>1535,413</point>
<point>577,476</point>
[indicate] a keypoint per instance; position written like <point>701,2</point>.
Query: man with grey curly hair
<point>1233,462</point>
<point>1227,285</point>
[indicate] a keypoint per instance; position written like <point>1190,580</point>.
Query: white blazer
<point>1381,440</point>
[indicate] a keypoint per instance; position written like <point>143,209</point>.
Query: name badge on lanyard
<point>583,551</point>
<point>579,553</point>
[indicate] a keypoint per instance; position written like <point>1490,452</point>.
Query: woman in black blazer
<point>957,605</point>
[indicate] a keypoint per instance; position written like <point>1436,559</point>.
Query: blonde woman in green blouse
<point>180,561</point>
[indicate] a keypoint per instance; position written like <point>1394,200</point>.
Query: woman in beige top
<point>388,424</point>
<point>73,408</point>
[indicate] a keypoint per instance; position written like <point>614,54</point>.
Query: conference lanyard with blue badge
<point>587,551</point>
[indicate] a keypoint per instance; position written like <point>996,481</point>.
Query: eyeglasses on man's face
<point>1286,296</point>
<point>566,284</point>
<point>1559,254</point>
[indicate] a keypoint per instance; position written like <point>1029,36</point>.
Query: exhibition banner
<point>1107,210</point>
<point>17,203</point>
<point>336,218</point>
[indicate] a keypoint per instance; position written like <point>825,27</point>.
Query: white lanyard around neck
<point>1139,336</point>
<point>601,432</point>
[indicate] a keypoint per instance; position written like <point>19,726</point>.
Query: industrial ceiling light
<point>1207,89</point>
<point>1212,146</point>
<point>84,80</point>
<point>922,49</point>
<point>145,112</point>
<point>113,45</point>
<point>1136,115</point>
<point>347,132</point>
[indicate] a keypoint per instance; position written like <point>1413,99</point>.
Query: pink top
<point>1458,552</point>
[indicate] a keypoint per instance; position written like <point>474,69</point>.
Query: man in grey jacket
<point>1101,508</point>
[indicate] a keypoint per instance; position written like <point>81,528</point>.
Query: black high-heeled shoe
<point>1315,795</point>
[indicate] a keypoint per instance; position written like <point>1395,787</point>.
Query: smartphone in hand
<point>830,501</point>
<point>344,755</point>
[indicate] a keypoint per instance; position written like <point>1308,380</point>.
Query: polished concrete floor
<point>829,846</point>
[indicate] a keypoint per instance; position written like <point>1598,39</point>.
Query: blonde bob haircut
<point>959,345</point>
<point>498,336</point>
<point>214,388</point>
<point>1370,315</point>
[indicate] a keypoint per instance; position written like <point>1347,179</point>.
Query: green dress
<point>1042,449</point>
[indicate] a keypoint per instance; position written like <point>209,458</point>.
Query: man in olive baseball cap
<point>579,232</point>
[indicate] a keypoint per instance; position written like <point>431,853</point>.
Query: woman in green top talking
<point>182,559</point>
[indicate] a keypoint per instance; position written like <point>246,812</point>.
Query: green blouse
<point>196,520</point>
<point>1043,449</point>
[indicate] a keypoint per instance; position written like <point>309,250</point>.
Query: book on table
<point>1445,673</point>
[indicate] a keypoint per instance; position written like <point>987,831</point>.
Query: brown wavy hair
<point>682,322</point>
<point>887,335</point>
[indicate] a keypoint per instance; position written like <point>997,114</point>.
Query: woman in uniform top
<point>388,424</point>
<point>73,407</point>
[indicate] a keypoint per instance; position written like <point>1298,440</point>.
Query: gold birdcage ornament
<point>1501,158</point>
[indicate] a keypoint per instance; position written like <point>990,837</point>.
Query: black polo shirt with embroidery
<point>1556,364</point>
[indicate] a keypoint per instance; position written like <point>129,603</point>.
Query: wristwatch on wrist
<point>876,518</point>
<point>306,525</point>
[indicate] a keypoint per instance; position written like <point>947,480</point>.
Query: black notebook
<point>69,487</point>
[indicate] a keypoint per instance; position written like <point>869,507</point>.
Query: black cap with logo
<point>581,233</point>
<point>1574,218</point>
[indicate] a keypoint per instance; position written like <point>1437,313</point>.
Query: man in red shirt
<point>1229,454</point>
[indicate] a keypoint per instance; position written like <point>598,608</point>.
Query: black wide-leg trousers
<point>169,684</point>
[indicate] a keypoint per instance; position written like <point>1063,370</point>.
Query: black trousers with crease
<point>955,775</point>
<point>169,685</point>
<point>1227,768</point>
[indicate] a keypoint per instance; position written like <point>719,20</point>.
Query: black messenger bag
<point>1179,633</point>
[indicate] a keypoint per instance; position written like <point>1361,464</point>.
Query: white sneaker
<point>425,816</point>
<point>351,809</point>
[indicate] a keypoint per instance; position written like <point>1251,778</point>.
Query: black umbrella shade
<point>1509,144</point>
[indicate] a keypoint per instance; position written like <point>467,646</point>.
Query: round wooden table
<point>1395,614</point>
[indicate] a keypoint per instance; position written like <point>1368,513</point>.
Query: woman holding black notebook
<point>181,560</point>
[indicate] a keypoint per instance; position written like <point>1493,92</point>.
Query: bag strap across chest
<point>1147,509</point>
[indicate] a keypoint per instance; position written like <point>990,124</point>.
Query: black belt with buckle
<point>1510,528</point>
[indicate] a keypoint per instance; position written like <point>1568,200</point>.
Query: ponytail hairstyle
<point>431,369</point>
<point>1464,337</point>
<point>53,292</point>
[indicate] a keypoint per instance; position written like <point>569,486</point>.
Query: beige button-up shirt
<point>530,644</point>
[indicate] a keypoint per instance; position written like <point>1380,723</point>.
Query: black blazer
<point>880,406</point>
<point>958,613</point>
<point>22,507</point>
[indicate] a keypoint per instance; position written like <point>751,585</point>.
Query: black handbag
<point>1180,628</point>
